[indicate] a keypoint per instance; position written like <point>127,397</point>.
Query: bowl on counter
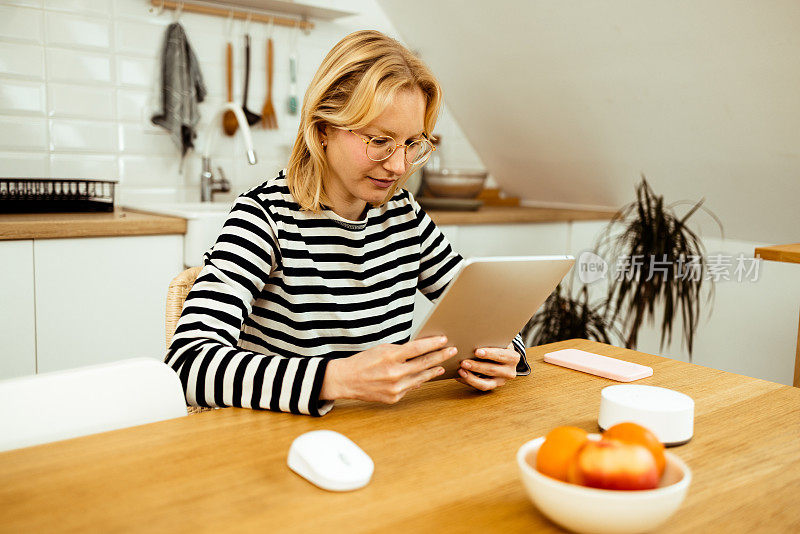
<point>590,510</point>
<point>451,183</point>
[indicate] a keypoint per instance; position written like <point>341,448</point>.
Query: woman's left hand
<point>498,371</point>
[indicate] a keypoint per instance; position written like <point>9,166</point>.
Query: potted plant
<point>565,317</point>
<point>663,264</point>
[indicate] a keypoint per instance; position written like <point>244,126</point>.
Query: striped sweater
<point>284,291</point>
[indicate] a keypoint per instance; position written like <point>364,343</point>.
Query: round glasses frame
<point>368,139</point>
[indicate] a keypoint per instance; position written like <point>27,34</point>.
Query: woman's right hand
<point>385,373</point>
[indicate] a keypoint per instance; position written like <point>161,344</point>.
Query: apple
<point>612,464</point>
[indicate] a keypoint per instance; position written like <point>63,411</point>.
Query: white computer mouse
<point>330,460</point>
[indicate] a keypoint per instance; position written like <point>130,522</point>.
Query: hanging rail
<point>236,13</point>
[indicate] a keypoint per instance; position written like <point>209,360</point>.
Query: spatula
<point>268,118</point>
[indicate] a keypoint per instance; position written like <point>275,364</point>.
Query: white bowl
<point>599,511</point>
<point>451,183</point>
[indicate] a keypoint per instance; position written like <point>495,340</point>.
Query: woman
<point>308,294</point>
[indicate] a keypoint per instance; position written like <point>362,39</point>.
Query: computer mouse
<point>330,460</point>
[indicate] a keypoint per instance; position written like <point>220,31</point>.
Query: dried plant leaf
<point>653,231</point>
<point>563,317</point>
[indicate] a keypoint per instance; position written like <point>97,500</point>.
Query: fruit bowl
<point>602,511</point>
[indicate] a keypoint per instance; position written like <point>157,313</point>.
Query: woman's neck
<point>352,211</point>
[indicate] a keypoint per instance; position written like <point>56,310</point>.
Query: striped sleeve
<point>439,264</point>
<point>204,352</point>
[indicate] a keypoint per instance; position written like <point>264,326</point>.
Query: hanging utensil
<point>229,122</point>
<point>268,118</point>
<point>251,117</point>
<point>292,104</point>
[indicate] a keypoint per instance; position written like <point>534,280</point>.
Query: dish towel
<point>182,88</point>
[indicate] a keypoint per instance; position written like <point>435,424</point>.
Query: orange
<point>559,448</point>
<point>639,435</point>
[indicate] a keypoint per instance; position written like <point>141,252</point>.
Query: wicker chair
<point>176,295</point>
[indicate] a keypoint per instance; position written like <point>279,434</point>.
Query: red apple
<point>612,464</point>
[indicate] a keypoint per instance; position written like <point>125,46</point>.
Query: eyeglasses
<point>380,148</point>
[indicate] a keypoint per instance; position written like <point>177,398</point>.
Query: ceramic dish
<point>590,510</point>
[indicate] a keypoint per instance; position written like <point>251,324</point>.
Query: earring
<point>324,144</point>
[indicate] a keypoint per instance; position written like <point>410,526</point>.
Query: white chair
<point>66,404</point>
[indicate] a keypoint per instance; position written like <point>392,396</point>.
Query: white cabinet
<point>102,299</point>
<point>17,316</point>
<point>513,239</point>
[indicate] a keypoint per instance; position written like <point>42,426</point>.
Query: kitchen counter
<point>519,214</point>
<point>64,225</point>
<point>125,222</point>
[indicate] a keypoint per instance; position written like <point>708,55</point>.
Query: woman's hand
<point>498,371</point>
<point>387,372</point>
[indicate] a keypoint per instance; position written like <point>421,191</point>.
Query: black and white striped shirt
<point>284,291</point>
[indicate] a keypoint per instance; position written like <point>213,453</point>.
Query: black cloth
<point>182,88</point>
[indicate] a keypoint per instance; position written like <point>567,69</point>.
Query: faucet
<point>208,184</point>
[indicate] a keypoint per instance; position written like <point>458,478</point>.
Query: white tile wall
<point>21,60</point>
<point>77,31</point>
<point>137,38</point>
<point>83,136</point>
<point>19,97</point>
<point>92,7</point>
<point>83,166</point>
<point>79,67</point>
<point>151,171</point>
<point>21,164</point>
<point>25,3</point>
<point>136,139</point>
<point>20,24</point>
<point>132,105</point>
<point>23,133</point>
<point>136,72</point>
<point>80,101</point>
<point>78,85</point>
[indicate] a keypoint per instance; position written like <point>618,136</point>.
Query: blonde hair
<point>355,83</point>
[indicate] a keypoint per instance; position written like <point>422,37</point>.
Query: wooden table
<point>790,254</point>
<point>444,457</point>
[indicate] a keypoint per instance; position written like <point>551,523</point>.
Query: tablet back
<point>489,301</point>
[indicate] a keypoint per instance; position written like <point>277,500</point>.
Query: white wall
<point>567,103</point>
<point>78,81</point>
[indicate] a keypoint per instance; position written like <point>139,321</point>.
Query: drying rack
<point>49,195</point>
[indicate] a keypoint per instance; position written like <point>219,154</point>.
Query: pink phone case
<point>594,364</point>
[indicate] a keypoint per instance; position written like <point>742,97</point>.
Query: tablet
<point>489,301</point>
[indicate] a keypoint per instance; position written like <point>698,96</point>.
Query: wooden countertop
<point>128,222</point>
<point>444,461</point>
<point>519,214</point>
<point>62,225</point>
<point>787,253</point>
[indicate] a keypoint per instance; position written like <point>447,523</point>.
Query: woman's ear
<point>323,133</point>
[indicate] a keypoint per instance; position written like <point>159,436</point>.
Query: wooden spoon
<point>229,122</point>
